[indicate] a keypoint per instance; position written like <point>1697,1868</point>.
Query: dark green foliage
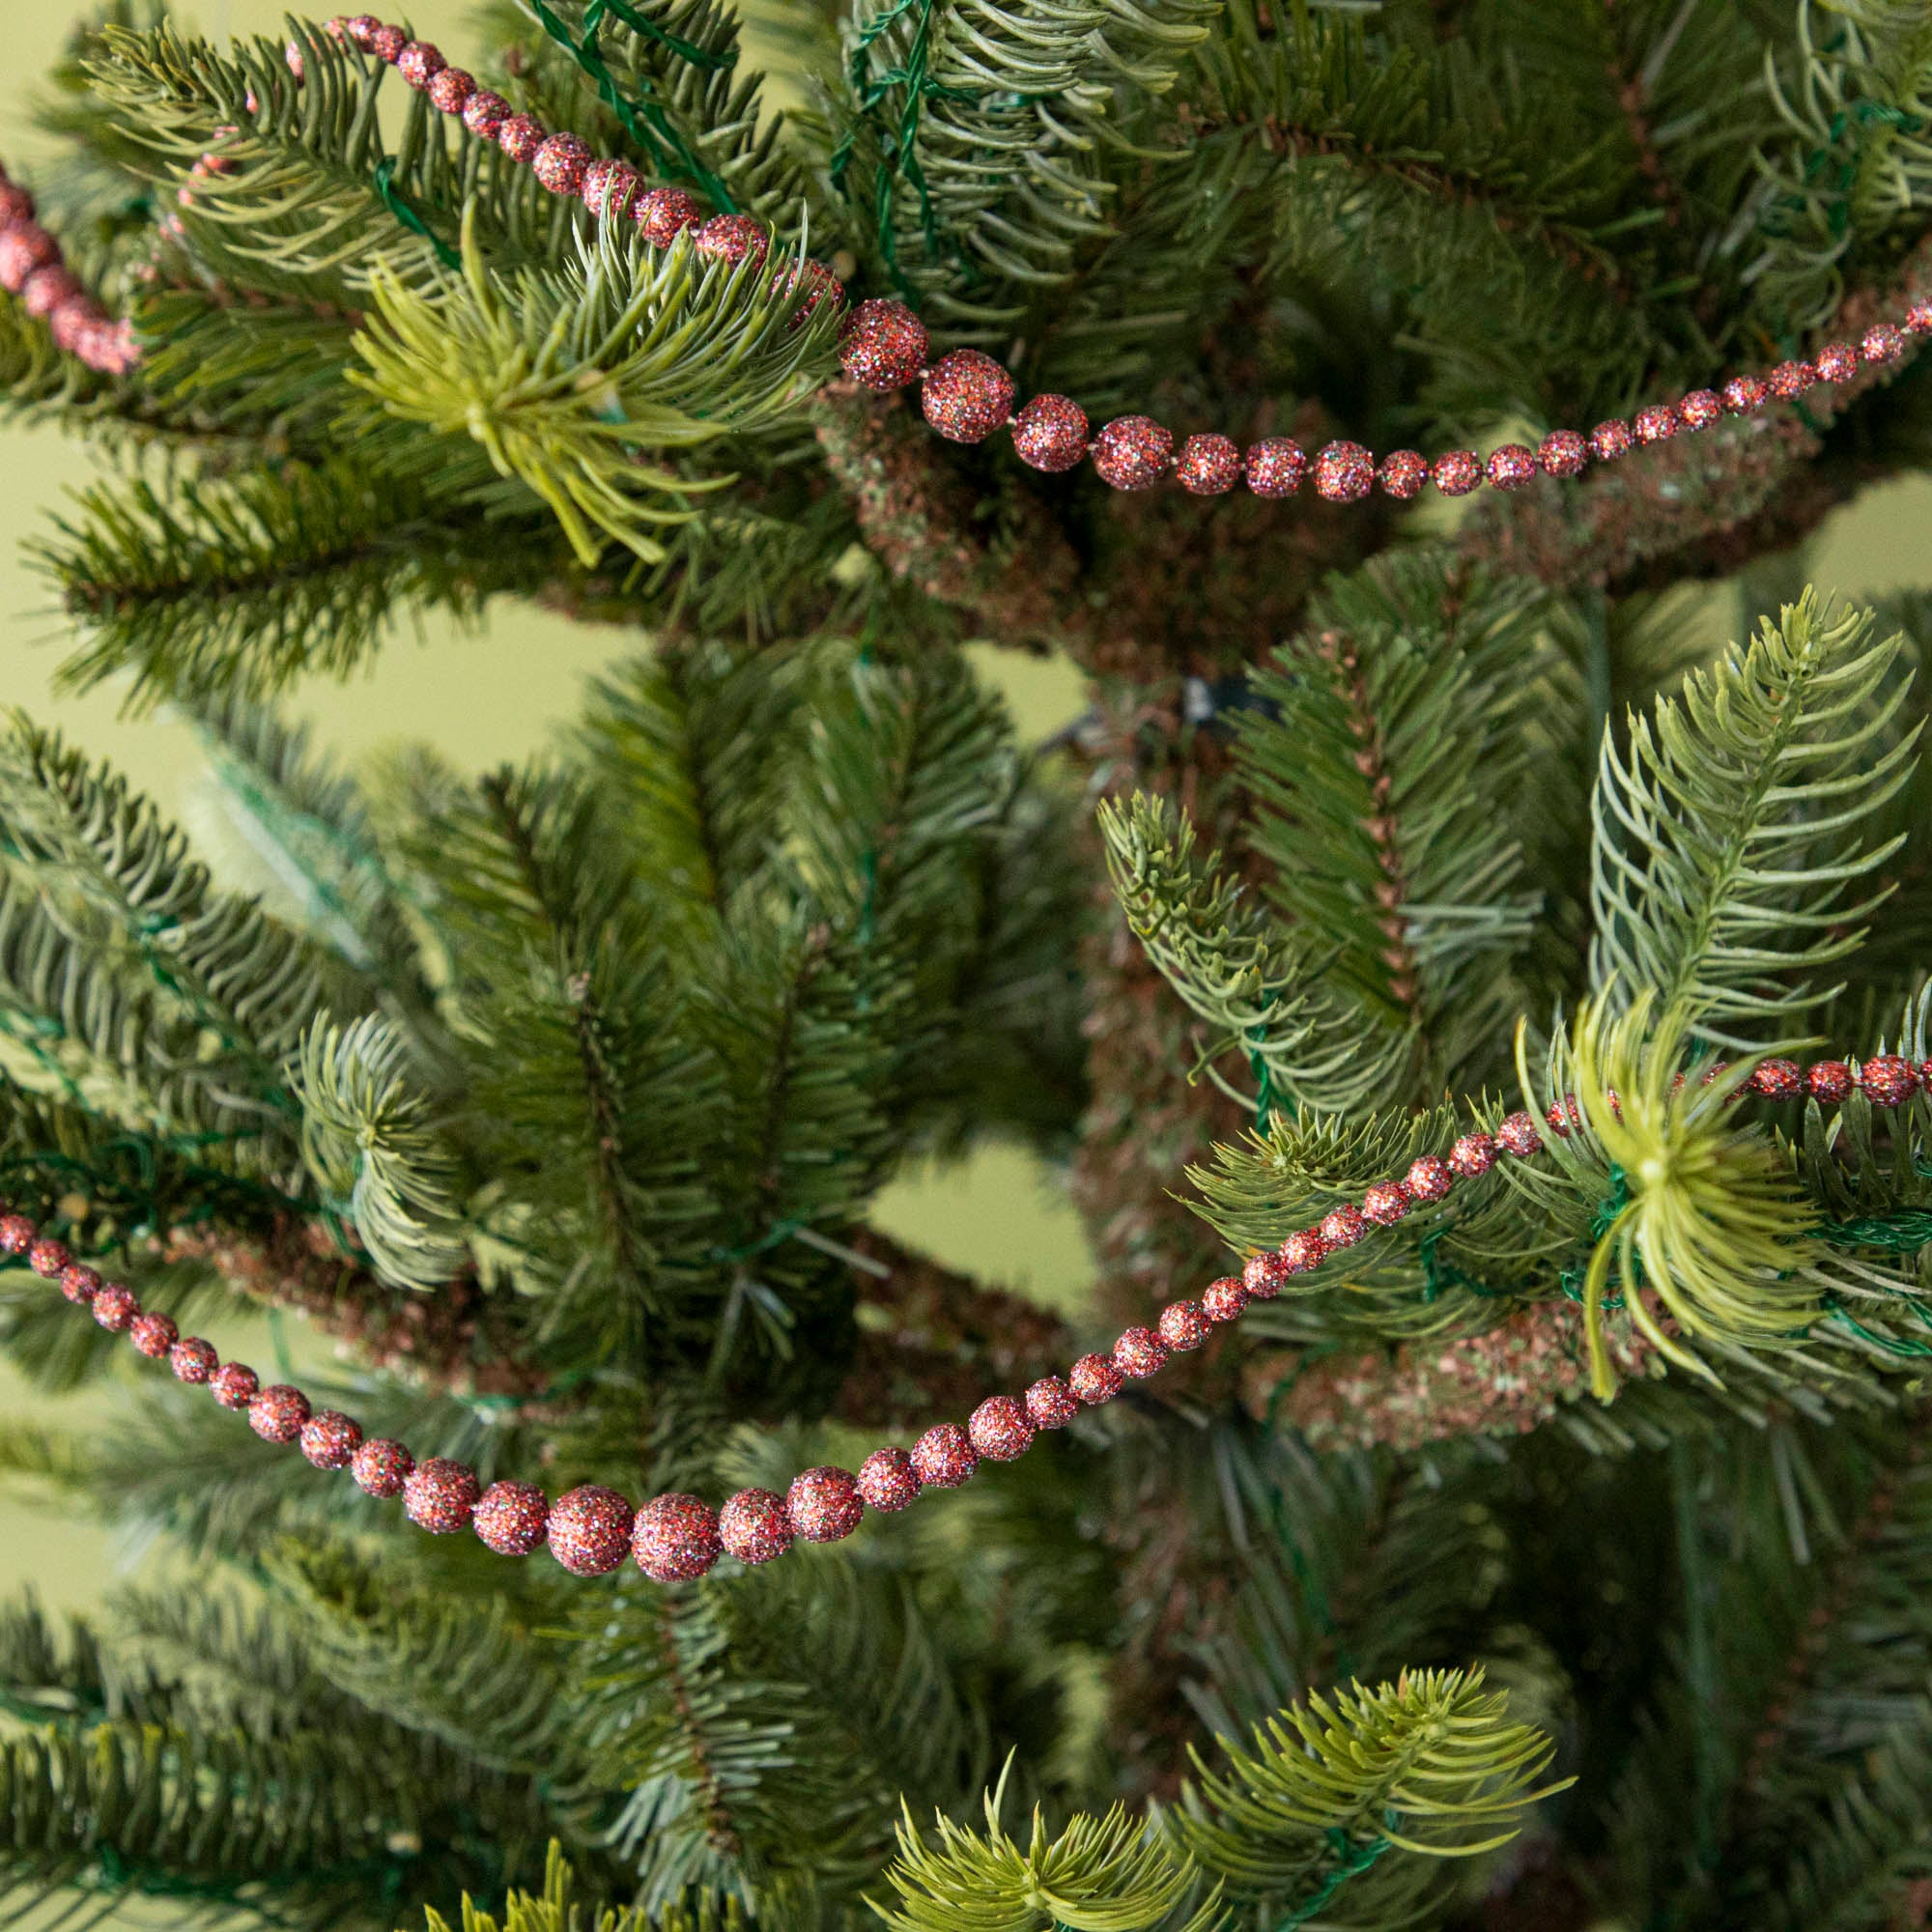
<point>560,1094</point>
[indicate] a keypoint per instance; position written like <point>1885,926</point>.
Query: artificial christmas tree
<point>1484,1025</point>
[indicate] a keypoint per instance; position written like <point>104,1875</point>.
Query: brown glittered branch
<point>1697,506</point>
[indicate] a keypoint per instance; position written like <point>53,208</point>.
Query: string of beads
<point>676,1537</point>
<point>966,395</point>
<point>31,268</point>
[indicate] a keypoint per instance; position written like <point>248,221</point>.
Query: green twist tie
<point>1907,1228</point>
<point>644,120</point>
<point>897,145</point>
<point>391,199</point>
<point>1354,1860</point>
<point>1266,1099</point>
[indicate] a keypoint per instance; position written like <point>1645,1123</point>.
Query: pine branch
<point>1729,837</point>
<point>237,586</point>
<point>295,204</point>
<point>566,379</point>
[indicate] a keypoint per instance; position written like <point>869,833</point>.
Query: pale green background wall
<point>491,697</point>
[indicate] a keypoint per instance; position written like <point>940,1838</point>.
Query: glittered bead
<point>1790,380</point>
<point>1274,467</point>
<point>192,1359</point>
<point>944,1456</point>
<point>510,1517</point>
<point>1610,440</point>
<point>1743,394</point>
<point>450,91</point>
<point>439,1494</point>
<point>1511,467</point>
<point>1133,453</point>
<point>1263,1275</point>
<point>1656,424</point>
<point>23,248</point>
<point>1472,1155</point>
<point>1776,1079</point>
<point>45,289</point>
<point>888,1481</point>
<point>731,238</point>
<point>1560,1114</point>
<point>1428,1178</point>
<point>520,137</point>
<point>1699,410</point>
<point>1139,1353</point>
<point>1050,1403</point>
<point>1838,362</point>
<point>1715,1071</point>
<point>559,164</point>
<point>233,1384</point>
<point>484,114</point>
<point>1887,1080</point>
<point>814,283</point>
<point>1049,432</point>
<point>153,1335</point>
<point>388,43</point>
<point>1223,1300</point>
<point>382,1468</point>
<point>1208,465</point>
<point>1919,318</point>
<point>608,188</point>
<point>17,1233</point>
<point>47,1258</point>
<point>1184,1325</point>
<point>824,1504</point>
<point>1000,1429</point>
<point>1304,1250</point>
<point>277,1414</point>
<point>330,1440</point>
<point>1881,343</point>
<point>1829,1080</point>
<point>1385,1204</point>
<point>754,1527</point>
<point>1562,453</point>
<point>360,29</point>
<point>78,1283</point>
<point>1403,473</point>
<point>418,64</point>
<point>1343,472</point>
<point>675,1539</point>
<point>1455,471</point>
<point>663,214</point>
<point>1518,1135</point>
<point>590,1530</point>
<point>115,1308</point>
<point>882,345</point>
<point>73,325</point>
<point>967,396</point>
<point>15,204</point>
<point>1344,1228</point>
<point>1095,1379</point>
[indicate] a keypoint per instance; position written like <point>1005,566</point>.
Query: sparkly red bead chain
<point>31,268</point>
<point>676,1537</point>
<point>965,395</point>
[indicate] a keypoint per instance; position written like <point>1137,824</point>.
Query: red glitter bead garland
<point>944,1456</point>
<point>590,1530</point>
<point>966,396</point>
<point>510,1517</point>
<point>824,1504</point>
<point>754,1526</point>
<point>676,1537</point>
<point>888,1481</point>
<point>1133,453</point>
<point>1050,433</point>
<point>439,1494</point>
